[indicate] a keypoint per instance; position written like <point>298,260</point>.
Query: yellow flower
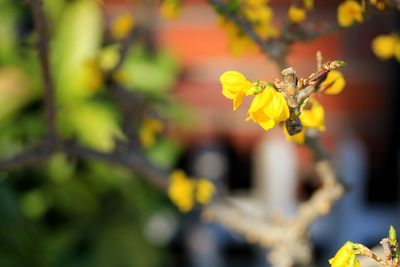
<point>205,191</point>
<point>308,4</point>
<point>334,83</point>
<point>238,42</point>
<point>234,86</point>
<point>314,117</point>
<point>149,129</point>
<point>181,191</point>
<point>268,108</point>
<point>383,46</point>
<point>345,257</point>
<point>348,12</point>
<point>122,25</point>
<point>170,9</point>
<point>296,15</point>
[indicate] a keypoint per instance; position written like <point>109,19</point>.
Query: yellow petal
<point>260,100</point>
<point>336,79</point>
<point>277,107</point>
<point>313,118</point>
<point>235,81</point>
<point>284,108</point>
<point>237,101</point>
<point>227,93</point>
<point>298,138</point>
<point>296,14</point>
<point>267,125</point>
<point>383,46</point>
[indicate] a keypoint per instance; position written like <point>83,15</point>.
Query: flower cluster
<point>269,106</point>
<point>351,11</point>
<point>297,14</point>
<point>286,101</point>
<point>185,192</point>
<point>259,15</point>
<point>386,46</point>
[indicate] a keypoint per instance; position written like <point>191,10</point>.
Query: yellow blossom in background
<point>308,4</point>
<point>296,15</point>
<point>379,4</point>
<point>184,191</point>
<point>259,14</point>
<point>234,86</point>
<point>268,108</point>
<point>170,8</point>
<point>314,117</point>
<point>149,129</point>
<point>345,257</point>
<point>334,82</point>
<point>122,25</point>
<point>181,191</point>
<point>383,46</point>
<point>349,12</point>
<point>205,191</point>
<point>93,75</point>
<point>238,41</point>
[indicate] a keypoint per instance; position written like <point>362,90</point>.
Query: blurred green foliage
<point>69,212</point>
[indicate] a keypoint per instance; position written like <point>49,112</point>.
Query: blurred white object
<point>275,173</point>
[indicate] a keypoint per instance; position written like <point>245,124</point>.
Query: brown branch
<point>365,251</point>
<point>132,160</point>
<point>276,48</point>
<point>39,20</point>
<point>30,157</point>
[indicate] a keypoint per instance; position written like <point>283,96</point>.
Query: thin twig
<point>39,20</point>
<point>134,161</point>
<point>365,251</point>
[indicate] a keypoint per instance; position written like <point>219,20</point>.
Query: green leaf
<point>152,74</point>
<point>77,40</point>
<point>93,124</point>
